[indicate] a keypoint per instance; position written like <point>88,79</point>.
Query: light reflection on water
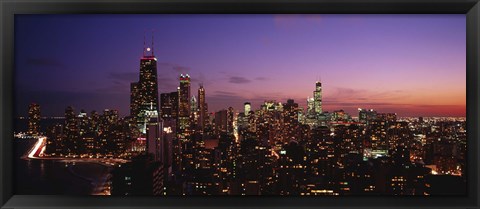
<point>42,169</point>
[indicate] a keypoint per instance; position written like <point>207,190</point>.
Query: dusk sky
<point>413,65</point>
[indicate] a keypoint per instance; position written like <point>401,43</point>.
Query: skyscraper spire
<point>144,43</point>
<point>153,35</point>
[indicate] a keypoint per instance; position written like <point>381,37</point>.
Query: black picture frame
<point>9,8</point>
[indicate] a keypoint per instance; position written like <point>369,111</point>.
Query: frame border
<point>8,9</point>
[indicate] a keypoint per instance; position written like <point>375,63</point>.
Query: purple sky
<point>414,65</point>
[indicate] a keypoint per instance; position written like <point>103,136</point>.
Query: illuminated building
<point>145,91</point>
<point>168,139</point>
<point>71,131</point>
<point>155,144</point>
<point>54,136</point>
<point>221,121</point>
<point>87,140</point>
<point>247,108</point>
<point>310,106</point>
<point>366,115</point>
<point>230,118</point>
<point>169,105</point>
<point>202,108</point>
<point>340,115</point>
<point>184,104</point>
<point>134,99</point>
<point>112,137</point>
<point>34,119</point>
<point>291,124</point>
<point>193,112</point>
<point>387,117</point>
<point>317,97</point>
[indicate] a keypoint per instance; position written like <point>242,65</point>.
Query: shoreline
<point>98,185</point>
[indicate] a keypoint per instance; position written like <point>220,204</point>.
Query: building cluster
<point>176,147</point>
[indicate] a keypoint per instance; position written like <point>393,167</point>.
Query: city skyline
<point>419,90</point>
<point>178,139</point>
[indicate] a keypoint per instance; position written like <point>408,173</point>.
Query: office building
<point>144,93</point>
<point>34,119</point>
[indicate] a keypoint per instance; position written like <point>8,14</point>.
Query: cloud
<point>167,83</point>
<point>124,76</point>
<point>223,93</point>
<point>360,95</point>
<point>348,92</point>
<point>183,69</point>
<point>361,104</point>
<point>46,62</point>
<point>239,80</point>
<point>218,100</point>
<point>177,68</point>
<point>261,78</point>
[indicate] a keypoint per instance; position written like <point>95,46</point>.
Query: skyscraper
<point>291,119</point>
<point>134,99</point>
<point>155,144</point>
<point>193,112</point>
<point>34,119</point>
<point>144,93</point>
<point>221,121</point>
<point>248,108</point>
<point>169,105</point>
<point>202,108</point>
<point>71,131</point>
<point>230,119</point>
<point>184,104</point>
<point>317,96</point>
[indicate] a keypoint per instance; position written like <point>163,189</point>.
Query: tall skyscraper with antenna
<point>144,93</point>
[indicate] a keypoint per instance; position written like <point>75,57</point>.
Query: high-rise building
<point>134,99</point>
<point>310,106</point>
<point>193,104</point>
<point>144,93</point>
<point>366,115</point>
<point>184,104</point>
<point>34,119</point>
<point>142,176</point>
<point>247,108</point>
<point>169,105</point>
<point>71,131</point>
<point>193,112</point>
<point>55,145</point>
<point>202,108</point>
<point>291,120</point>
<point>230,118</point>
<point>155,144</point>
<point>221,121</point>
<point>317,97</point>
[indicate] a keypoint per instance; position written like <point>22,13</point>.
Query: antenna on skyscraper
<point>153,34</point>
<point>144,44</point>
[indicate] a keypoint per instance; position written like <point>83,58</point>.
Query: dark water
<point>49,177</point>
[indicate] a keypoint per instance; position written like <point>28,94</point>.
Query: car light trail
<point>36,147</point>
